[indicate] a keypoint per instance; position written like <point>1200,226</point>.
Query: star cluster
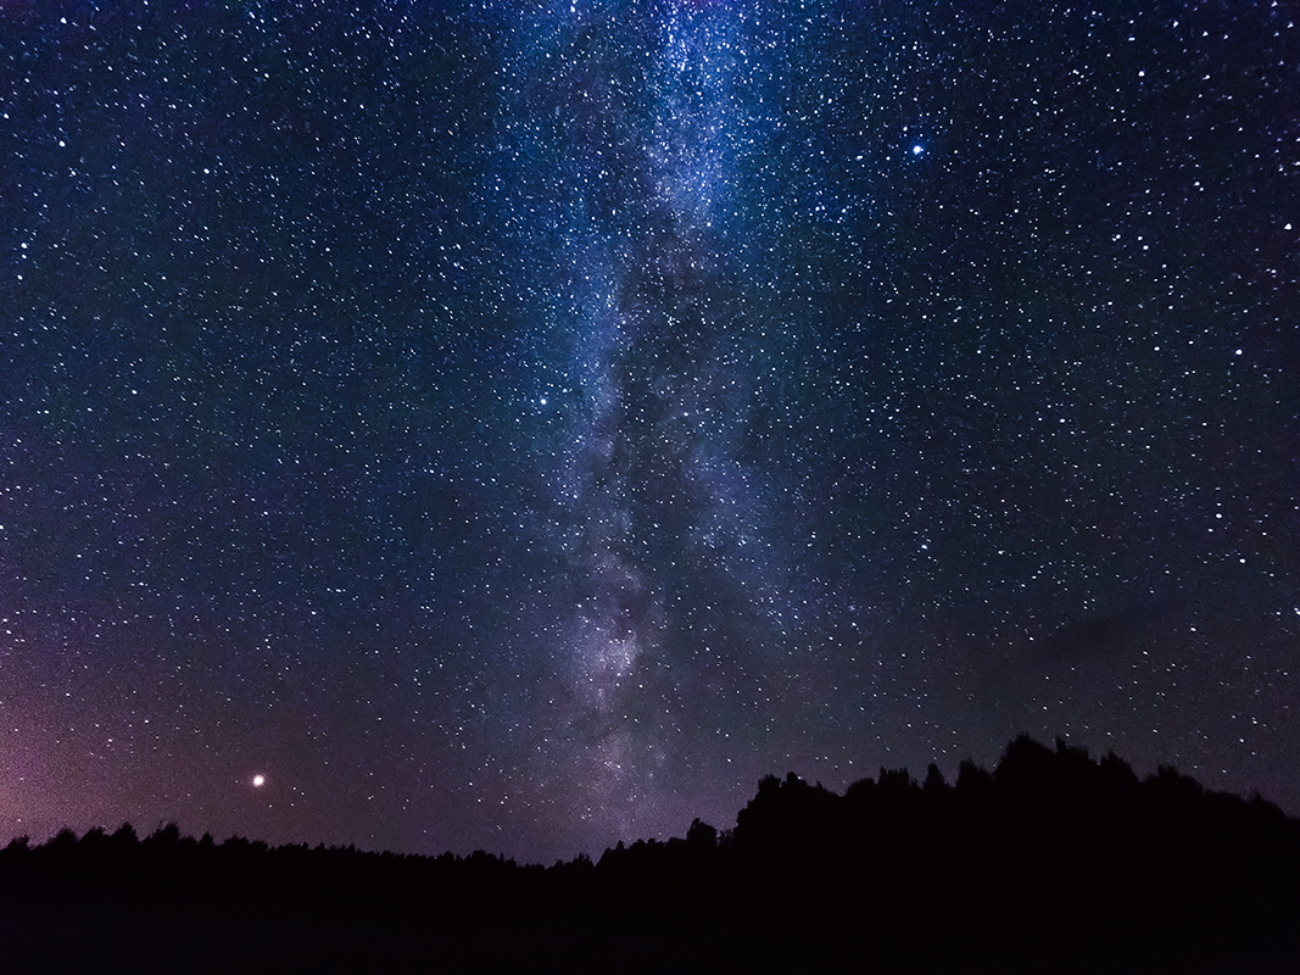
<point>524,425</point>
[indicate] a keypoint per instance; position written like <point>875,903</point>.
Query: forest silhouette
<point>1053,862</point>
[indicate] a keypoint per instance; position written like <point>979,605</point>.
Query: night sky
<point>523,425</point>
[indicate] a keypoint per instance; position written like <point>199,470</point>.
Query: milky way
<point>525,425</point>
<point>658,525</point>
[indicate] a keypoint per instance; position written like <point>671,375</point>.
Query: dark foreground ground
<point>1052,863</point>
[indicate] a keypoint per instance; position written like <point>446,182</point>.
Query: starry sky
<point>523,425</point>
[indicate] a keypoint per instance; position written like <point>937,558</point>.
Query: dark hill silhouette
<point>1053,862</point>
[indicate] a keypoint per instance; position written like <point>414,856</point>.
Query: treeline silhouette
<point>1052,862</point>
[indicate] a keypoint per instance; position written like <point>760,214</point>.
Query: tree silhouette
<point>1054,861</point>
<point>701,835</point>
<point>934,782</point>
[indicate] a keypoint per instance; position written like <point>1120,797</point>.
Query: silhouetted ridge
<point>1053,861</point>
